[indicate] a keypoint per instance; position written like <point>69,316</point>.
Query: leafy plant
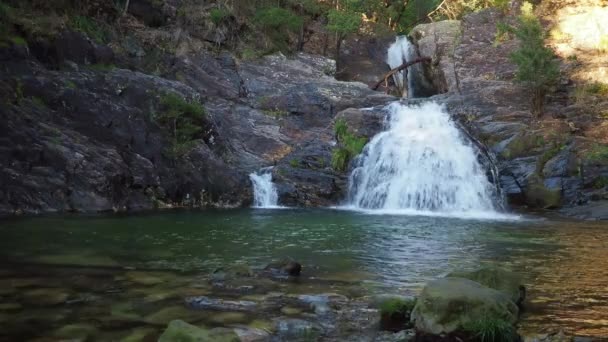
<point>352,145</point>
<point>277,23</point>
<point>598,153</point>
<point>89,27</point>
<point>218,15</point>
<point>491,329</point>
<point>183,120</point>
<point>294,163</point>
<point>339,159</point>
<point>536,65</point>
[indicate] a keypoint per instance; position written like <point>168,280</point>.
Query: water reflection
<point>565,263</point>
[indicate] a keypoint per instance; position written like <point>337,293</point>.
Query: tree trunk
<point>403,66</point>
<point>538,102</point>
<point>124,12</point>
<point>338,47</point>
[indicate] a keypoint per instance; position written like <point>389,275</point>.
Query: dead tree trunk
<point>403,66</point>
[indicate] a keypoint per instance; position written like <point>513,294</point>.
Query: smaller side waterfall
<point>398,53</point>
<point>264,191</point>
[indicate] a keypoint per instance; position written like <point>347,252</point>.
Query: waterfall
<point>264,191</point>
<point>400,52</point>
<point>421,163</point>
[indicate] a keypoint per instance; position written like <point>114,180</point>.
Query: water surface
<point>564,262</point>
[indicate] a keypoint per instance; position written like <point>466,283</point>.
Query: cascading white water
<point>264,191</point>
<point>398,53</point>
<point>421,163</point>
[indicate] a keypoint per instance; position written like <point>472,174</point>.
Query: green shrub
<point>89,27</point>
<point>598,153</point>
<point>339,159</point>
<point>218,15</point>
<point>294,163</point>
<point>278,23</point>
<point>490,329</point>
<point>351,146</point>
<point>536,65</point>
<point>278,18</point>
<point>397,306</point>
<point>183,120</point>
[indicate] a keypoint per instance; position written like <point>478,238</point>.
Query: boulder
<point>497,278</point>
<point>179,330</point>
<point>285,267</point>
<point>449,304</point>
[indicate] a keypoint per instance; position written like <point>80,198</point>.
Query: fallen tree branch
<point>400,68</point>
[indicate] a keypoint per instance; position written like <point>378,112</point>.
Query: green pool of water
<point>103,265</point>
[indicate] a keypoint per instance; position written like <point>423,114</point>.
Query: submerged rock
<point>46,296</point>
<point>247,334</point>
<point>447,305</point>
<point>77,332</point>
<point>287,267</point>
<point>207,303</point>
<point>294,328</point>
<point>179,330</point>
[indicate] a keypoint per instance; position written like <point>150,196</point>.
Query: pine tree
<point>536,65</point>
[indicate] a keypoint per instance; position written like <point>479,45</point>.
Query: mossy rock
<point>180,331</point>
<point>497,278</point>
<point>448,305</point>
<point>539,196</point>
<point>521,146</point>
<point>395,313</point>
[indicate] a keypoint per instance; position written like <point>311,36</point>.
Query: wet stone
<point>226,318</point>
<point>10,306</point>
<point>293,328</point>
<point>46,296</point>
<point>79,332</point>
<point>206,303</point>
<point>140,334</point>
<point>246,334</point>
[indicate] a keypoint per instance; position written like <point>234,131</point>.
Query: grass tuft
<point>490,329</point>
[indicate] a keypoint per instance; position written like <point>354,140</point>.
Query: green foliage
<point>343,22</point>
<point>587,92</point>
<point>351,146</point>
<point>183,120</point>
<point>278,18</point>
<point>70,84</point>
<point>340,128</point>
<point>102,67</point>
<point>218,15</point>
<point>600,182</point>
<point>536,65</point>
<point>491,329</point>
<point>294,163</point>
<point>339,159</point>
<point>397,306</point>
<point>278,23</point>
<point>19,41</point>
<point>598,154</point>
<point>38,102</point>
<point>546,156</point>
<point>88,27</point>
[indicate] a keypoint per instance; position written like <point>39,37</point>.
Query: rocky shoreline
<point>237,303</point>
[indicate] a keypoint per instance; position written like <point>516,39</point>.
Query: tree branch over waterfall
<point>403,66</point>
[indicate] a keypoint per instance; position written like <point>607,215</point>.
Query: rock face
<point>539,161</point>
<point>80,135</point>
<point>447,305</point>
